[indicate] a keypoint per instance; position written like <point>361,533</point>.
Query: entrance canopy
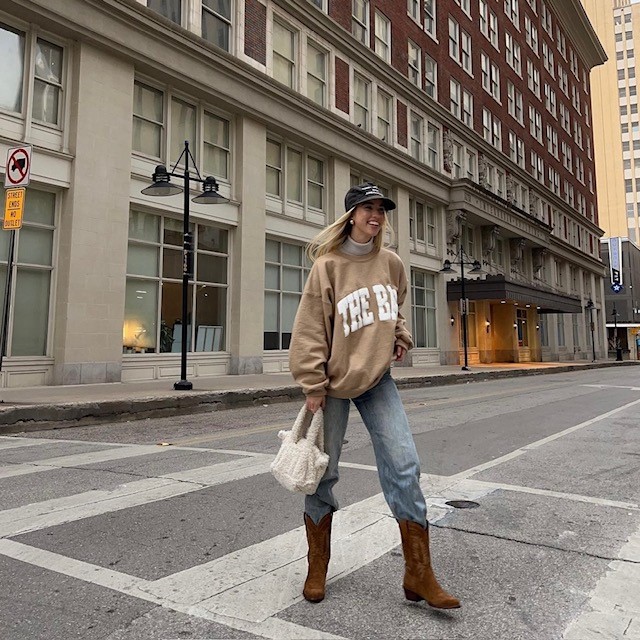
<point>498,287</point>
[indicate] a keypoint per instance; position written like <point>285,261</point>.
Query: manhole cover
<point>462,504</point>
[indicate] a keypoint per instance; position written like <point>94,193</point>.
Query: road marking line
<point>132,586</point>
<point>601,502</point>
<point>10,442</point>
<point>79,459</point>
<point>613,605</point>
<point>48,513</point>
<point>539,443</point>
<point>611,386</point>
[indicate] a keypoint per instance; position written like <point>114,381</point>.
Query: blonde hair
<point>335,234</point>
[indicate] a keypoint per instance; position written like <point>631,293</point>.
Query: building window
<point>316,74</point>
<point>430,17</point>
<point>296,173</point>
<point>413,9</point>
<point>454,40</point>
<point>531,34</point>
<point>516,149</point>
<point>488,23</point>
<point>284,54</point>
<point>514,102</point>
<point>286,271</point>
<point>29,296</point>
<point>415,66</point>
<point>153,297</point>
<point>361,102</point>
<point>454,98</point>
<point>535,123</point>
<point>491,129</point>
<point>512,10</point>
<point>490,76</point>
<point>550,101</point>
<point>533,78</point>
<point>207,132</point>
<point>552,140</point>
<point>216,22</point>
<point>148,120</point>
<point>433,146</point>
<point>467,108</point>
<point>215,138</point>
<point>423,307</point>
<point>431,77</point>
<point>523,333</point>
<point>382,44</point>
<point>422,225</point>
<point>513,55</point>
<point>416,129</point>
<point>385,110</point>
<point>171,9</point>
<point>547,21</point>
<point>46,77</point>
<point>360,20</point>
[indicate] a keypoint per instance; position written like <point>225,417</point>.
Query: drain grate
<point>462,504</point>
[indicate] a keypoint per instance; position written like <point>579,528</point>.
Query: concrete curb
<point>17,419</point>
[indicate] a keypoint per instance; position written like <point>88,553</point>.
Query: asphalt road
<point>174,528</point>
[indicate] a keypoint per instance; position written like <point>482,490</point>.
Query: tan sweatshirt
<point>348,323</point>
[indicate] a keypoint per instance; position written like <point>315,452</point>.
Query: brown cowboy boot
<point>319,540</point>
<point>419,581</point>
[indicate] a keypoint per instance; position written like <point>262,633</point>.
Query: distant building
<point>623,307</point>
<point>474,116</point>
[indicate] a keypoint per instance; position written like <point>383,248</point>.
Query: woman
<point>348,329</point>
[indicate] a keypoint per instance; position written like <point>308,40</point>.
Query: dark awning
<point>498,287</point>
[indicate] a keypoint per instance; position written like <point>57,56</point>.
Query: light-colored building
<point>608,94</point>
<point>473,116</point>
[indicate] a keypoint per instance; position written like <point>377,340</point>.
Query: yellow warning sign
<point>13,208</point>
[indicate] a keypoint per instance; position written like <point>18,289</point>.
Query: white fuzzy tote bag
<point>301,461</point>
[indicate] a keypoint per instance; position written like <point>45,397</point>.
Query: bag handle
<point>314,431</point>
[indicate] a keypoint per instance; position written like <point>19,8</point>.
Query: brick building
<point>473,115</point>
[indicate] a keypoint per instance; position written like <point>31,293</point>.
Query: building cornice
<point>577,26</point>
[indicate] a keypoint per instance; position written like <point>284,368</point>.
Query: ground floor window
<point>543,327</point>
<point>523,330</point>
<point>286,271</point>
<point>560,323</point>
<point>31,272</point>
<point>423,308</point>
<point>153,306</point>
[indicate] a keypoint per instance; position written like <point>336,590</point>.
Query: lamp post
<point>614,313</point>
<point>162,186</point>
<point>590,307</point>
<point>464,303</point>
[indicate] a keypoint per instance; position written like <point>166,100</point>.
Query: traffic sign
<point>13,208</point>
<point>18,168</point>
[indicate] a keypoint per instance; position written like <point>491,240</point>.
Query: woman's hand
<point>314,403</point>
<point>399,353</point>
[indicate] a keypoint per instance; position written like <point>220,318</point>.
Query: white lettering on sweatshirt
<point>354,308</point>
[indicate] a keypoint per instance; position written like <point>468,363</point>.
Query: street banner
<point>615,260</point>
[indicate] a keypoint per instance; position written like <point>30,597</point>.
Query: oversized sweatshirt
<point>348,323</point>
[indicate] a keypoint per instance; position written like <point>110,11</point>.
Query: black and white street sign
<point>18,167</point>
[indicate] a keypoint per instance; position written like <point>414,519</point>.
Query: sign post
<point>17,175</point>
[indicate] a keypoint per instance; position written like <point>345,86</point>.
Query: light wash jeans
<point>396,457</point>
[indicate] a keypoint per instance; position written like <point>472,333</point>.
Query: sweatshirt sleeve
<point>403,337</point>
<point>311,338</point>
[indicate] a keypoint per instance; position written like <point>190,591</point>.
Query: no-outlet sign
<point>18,167</point>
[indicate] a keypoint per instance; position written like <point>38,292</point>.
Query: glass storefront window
<point>153,309</point>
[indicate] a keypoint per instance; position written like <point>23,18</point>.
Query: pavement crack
<point>543,545</point>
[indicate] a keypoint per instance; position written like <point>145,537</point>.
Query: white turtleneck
<point>353,248</point>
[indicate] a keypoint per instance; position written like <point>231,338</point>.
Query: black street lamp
<point>614,313</point>
<point>464,303</point>
<point>590,307</point>
<point>162,186</point>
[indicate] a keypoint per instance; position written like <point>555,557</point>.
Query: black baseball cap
<point>364,193</point>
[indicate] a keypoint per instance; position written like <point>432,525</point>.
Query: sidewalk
<point>29,408</point>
